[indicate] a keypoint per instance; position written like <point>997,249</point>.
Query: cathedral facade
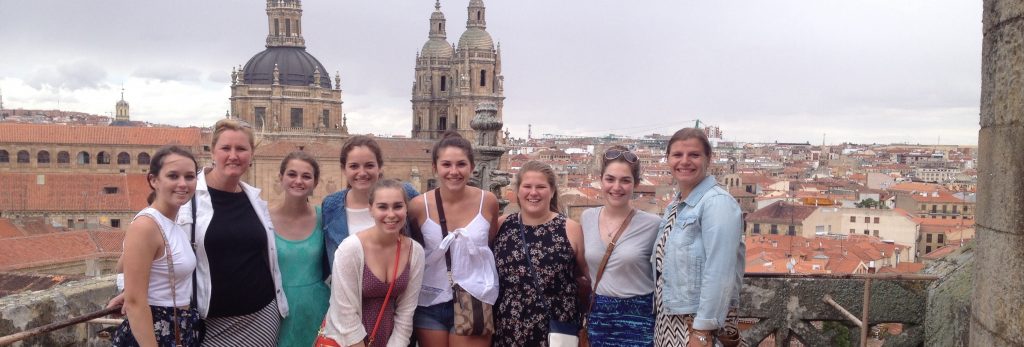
<point>451,81</point>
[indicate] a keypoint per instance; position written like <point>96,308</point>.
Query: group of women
<point>379,264</point>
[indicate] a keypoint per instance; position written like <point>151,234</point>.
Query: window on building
<point>867,232</point>
<point>444,81</point>
<point>83,158</point>
<point>928,238</point>
<point>115,223</point>
<point>43,157</point>
<point>23,157</point>
<point>955,208</point>
<point>71,223</point>
<point>965,209</point>
<point>935,208</point>
<point>791,230</point>
<point>478,15</point>
<point>867,219</point>
<point>853,231</point>
<point>483,78</point>
<point>277,27</point>
<point>143,158</point>
<point>876,220</point>
<point>442,123</point>
<point>103,158</point>
<point>924,207</point>
<point>109,190</point>
<point>296,118</point>
<point>775,229</point>
<point>325,119</point>
<point>4,156</point>
<point>944,207</point>
<point>288,27</point>
<point>757,228</point>
<point>853,219</point>
<point>261,117</point>
<point>941,239</point>
<point>63,157</point>
<point>874,232</point>
<point>124,158</point>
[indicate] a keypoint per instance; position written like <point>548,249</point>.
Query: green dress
<point>302,279</point>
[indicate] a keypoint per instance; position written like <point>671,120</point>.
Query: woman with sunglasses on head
<point>376,277</point>
<point>300,249</point>
<point>619,240</point>
<point>158,260</point>
<point>699,253</point>
<point>541,263</point>
<point>468,216</point>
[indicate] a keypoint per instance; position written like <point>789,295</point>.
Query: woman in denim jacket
<point>699,253</point>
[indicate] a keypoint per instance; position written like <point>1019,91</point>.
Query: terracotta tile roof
<point>915,187</point>
<point>97,135</point>
<point>72,192</point>
<point>55,248</point>
<point>781,212</point>
<point>111,241</point>
<point>903,268</point>
<point>13,283</point>
<point>34,226</point>
<point>8,229</point>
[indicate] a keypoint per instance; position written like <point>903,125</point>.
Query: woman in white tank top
<point>158,259</point>
<point>470,215</point>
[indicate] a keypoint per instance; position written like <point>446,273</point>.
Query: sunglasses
<point>613,154</point>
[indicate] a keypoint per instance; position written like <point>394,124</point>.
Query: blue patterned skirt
<point>163,327</point>
<point>622,321</point>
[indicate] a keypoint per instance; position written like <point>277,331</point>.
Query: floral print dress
<point>521,315</point>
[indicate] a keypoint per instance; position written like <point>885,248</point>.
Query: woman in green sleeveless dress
<point>300,251</point>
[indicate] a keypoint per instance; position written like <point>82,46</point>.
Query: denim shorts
<point>435,317</point>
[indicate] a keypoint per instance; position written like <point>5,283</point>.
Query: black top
<point>236,246</point>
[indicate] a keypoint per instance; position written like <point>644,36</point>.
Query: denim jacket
<point>335,220</point>
<point>704,256</point>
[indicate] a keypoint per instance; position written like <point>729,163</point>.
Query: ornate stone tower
<point>284,89</point>
<point>121,110</point>
<point>449,85</point>
<point>488,152</point>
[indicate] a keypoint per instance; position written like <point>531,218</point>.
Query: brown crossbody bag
<point>472,316</point>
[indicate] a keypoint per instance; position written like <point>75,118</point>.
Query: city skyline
<point>870,72</point>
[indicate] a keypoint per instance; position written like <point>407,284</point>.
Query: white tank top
<point>184,263</point>
<point>472,260</point>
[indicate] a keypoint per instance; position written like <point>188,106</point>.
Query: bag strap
<point>170,274</point>
<point>394,278</point>
<point>444,230</point>
<point>194,301</point>
<point>529,264</point>
<point>610,248</point>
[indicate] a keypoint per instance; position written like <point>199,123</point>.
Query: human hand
<point>115,302</point>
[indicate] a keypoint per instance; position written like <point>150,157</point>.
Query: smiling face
<point>298,179</point>
<point>534,194</point>
<point>361,168</point>
<point>176,181</point>
<point>688,162</point>
<point>232,154</point>
<point>617,184</point>
<point>453,168</point>
<point>389,209</point>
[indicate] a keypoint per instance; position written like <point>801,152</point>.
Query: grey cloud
<point>168,73</point>
<point>73,76</point>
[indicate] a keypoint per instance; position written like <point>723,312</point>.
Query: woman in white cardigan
<point>376,277</point>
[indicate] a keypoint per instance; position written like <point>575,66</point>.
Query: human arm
<point>405,306</point>
<point>142,244</point>
<point>574,232</point>
<point>344,321</point>
<point>721,234</point>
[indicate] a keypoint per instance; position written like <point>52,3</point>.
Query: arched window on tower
<point>63,157</point>
<point>83,158</point>
<point>124,158</point>
<point>444,83</point>
<point>23,157</point>
<point>4,156</point>
<point>143,158</point>
<point>442,123</point>
<point>440,27</point>
<point>288,27</point>
<point>43,157</point>
<point>277,27</point>
<point>478,15</point>
<point>103,158</point>
<point>483,78</point>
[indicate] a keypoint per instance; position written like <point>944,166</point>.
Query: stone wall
<point>24,311</point>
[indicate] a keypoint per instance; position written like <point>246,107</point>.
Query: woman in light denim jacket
<point>699,253</point>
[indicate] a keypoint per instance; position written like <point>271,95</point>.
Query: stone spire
<point>437,22</point>
<point>121,110</point>
<point>284,18</point>
<point>477,15</point>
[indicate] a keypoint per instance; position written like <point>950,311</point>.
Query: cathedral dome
<point>437,48</point>
<point>476,38</point>
<point>296,67</point>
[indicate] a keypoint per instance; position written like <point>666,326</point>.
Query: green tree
<point>841,338</point>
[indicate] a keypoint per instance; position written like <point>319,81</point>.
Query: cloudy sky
<point>866,71</point>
